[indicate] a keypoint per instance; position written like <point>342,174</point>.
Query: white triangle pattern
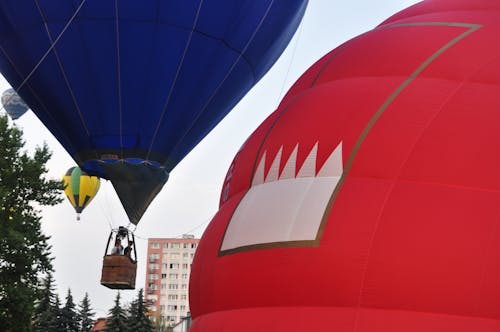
<point>332,166</point>
<point>308,169</point>
<point>287,207</point>
<point>273,173</point>
<point>258,177</point>
<point>289,169</point>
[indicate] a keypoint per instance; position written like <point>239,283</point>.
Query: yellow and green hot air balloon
<point>80,188</point>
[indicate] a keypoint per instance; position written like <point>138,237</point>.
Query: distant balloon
<point>13,104</point>
<point>80,188</point>
<point>369,200</point>
<point>132,86</point>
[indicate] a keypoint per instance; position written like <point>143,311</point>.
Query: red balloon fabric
<point>369,201</point>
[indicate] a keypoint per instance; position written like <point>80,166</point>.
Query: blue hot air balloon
<point>13,104</point>
<point>130,87</point>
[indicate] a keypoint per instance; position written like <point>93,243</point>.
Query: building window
<point>155,245</point>
<point>153,276</point>
<point>175,255</point>
<point>165,245</point>
<point>184,286</point>
<point>173,297</point>
<point>172,308</point>
<point>175,245</point>
<point>185,255</point>
<point>193,245</point>
<point>183,297</point>
<point>164,276</point>
<point>184,276</point>
<point>174,266</point>
<point>173,276</point>
<point>154,257</point>
<point>173,286</point>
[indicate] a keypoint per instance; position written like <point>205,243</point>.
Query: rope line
<point>26,79</point>
<point>167,101</point>
<point>250,40</point>
<point>63,72</point>
<point>51,46</point>
<point>118,72</point>
<point>108,212</point>
<point>294,51</point>
<point>194,228</point>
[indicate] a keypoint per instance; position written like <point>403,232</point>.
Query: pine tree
<point>86,315</point>
<point>45,317</point>
<point>137,319</point>
<point>24,251</point>
<point>69,314</point>
<point>117,318</point>
<point>58,314</point>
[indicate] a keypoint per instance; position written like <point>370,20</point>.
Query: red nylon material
<point>412,240</point>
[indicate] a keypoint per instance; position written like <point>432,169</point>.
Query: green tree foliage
<point>137,319</point>
<point>117,321</point>
<point>45,315</point>
<point>58,313</point>
<point>85,315</point>
<point>24,251</point>
<point>69,315</point>
<point>48,313</point>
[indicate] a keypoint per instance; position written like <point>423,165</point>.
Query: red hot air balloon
<point>369,201</point>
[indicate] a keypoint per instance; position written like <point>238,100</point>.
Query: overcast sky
<point>190,198</point>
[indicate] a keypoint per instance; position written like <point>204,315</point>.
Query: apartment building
<point>167,277</point>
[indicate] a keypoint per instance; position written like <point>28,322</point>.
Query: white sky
<point>190,198</point>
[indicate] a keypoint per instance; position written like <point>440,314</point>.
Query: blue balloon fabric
<point>134,82</point>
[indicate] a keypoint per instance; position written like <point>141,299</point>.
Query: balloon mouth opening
<point>94,162</point>
<point>100,167</point>
<point>136,184</point>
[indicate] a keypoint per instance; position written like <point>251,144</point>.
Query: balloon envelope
<point>13,104</point>
<point>80,188</point>
<point>130,87</point>
<point>368,201</point>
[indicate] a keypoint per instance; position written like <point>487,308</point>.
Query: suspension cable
<point>294,51</point>
<point>212,96</point>
<point>167,101</point>
<point>52,45</point>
